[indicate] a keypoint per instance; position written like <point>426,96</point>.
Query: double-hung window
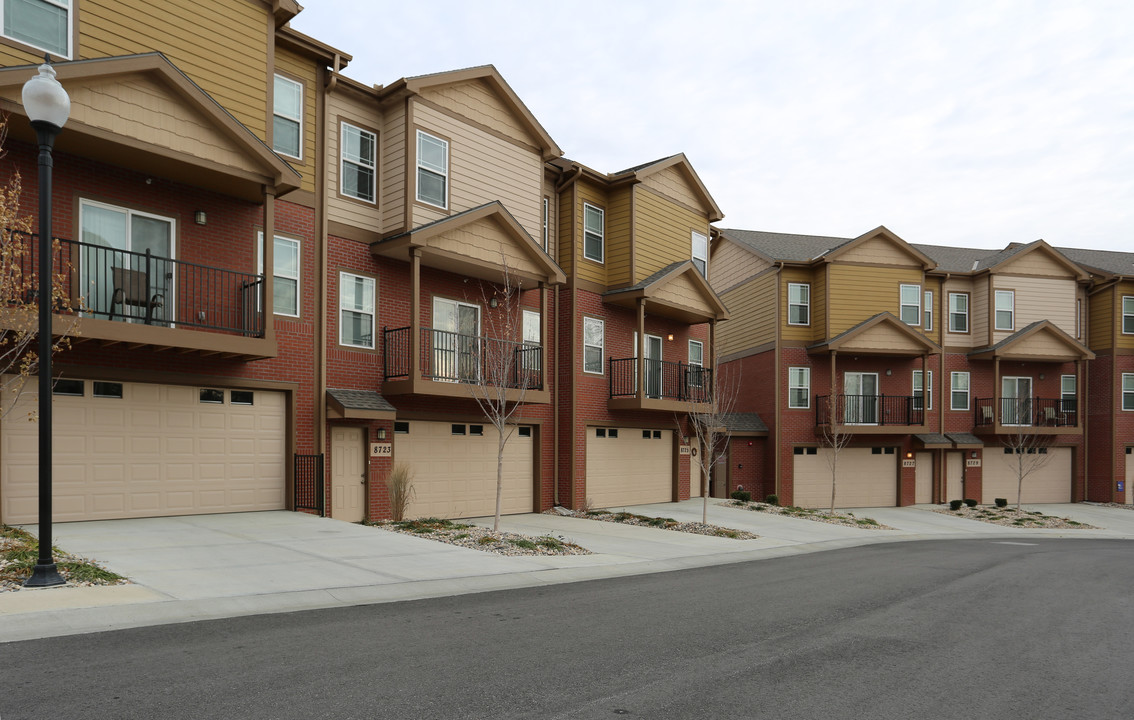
<point>696,362</point>
<point>432,170</point>
<point>592,345</point>
<point>917,390</point>
<point>959,391</point>
<point>958,312</point>
<point>928,311</point>
<point>287,118</point>
<point>1128,315</point>
<point>1005,317</point>
<point>1128,391</point>
<point>799,303</point>
<point>356,310</point>
<point>910,312</point>
<point>701,252</point>
<point>594,232</point>
<point>1068,393</point>
<point>357,164</point>
<point>799,387</point>
<point>43,24</point>
<point>532,340</point>
<point>285,274</point>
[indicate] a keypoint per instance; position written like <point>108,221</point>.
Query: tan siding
<point>220,45</point>
<point>752,315</point>
<point>1036,262</point>
<point>933,285</point>
<point>360,113</point>
<point>797,333</point>
<point>673,183</point>
<point>477,101</point>
<point>878,251</point>
<point>484,240</point>
<point>818,303</point>
<point>978,312</point>
<point>1039,299</point>
<point>730,264</point>
<point>882,338</point>
<point>483,168</point>
<point>663,233</point>
<point>589,269</point>
<point>951,339</point>
<point>681,292</point>
<point>1042,344</point>
<point>394,156</point>
<point>618,237</point>
<point>859,293</point>
<point>303,69</point>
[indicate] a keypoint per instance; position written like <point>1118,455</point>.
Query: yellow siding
<point>674,184</point>
<point>352,108</point>
<point>663,232</point>
<point>588,269</point>
<point>477,101</point>
<point>933,285</point>
<point>798,333</point>
<point>1125,342</point>
<point>618,238</point>
<point>683,293</point>
<point>731,264</point>
<point>978,312</point>
<point>303,69</point>
<point>951,339</point>
<point>879,251</point>
<point>1039,298</point>
<point>392,151</point>
<point>752,315</point>
<point>220,45</point>
<point>859,293</point>
<point>818,303</point>
<point>484,168</point>
<point>1104,312</point>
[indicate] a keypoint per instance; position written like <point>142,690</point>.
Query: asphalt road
<point>958,629</point>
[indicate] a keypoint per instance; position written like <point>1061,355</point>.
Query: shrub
<point>772,499</point>
<point>487,540</point>
<point>741,495</point>
<point>956,504</point>
<point>970,502</point>
<point>1001,502</point>
<point>522,543</point>
<point>400,485</point>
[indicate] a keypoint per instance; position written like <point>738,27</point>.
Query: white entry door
<point>456,340</point>
<point>861,399</point>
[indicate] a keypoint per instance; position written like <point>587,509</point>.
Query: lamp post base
<point>44,575</point>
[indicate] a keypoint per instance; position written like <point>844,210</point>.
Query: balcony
<point>145,299</point>
<point>449,363</point>
<point>871,414</point>
<point>1029,415</point>
<point>670,386</point>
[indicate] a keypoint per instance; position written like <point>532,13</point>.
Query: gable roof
<point>1011,346</point>
<point>976,260</point>
<point>640,172</point>
<point>883,233</point>
<point>1106,262</point>
<point>786,247</point>
<point>918,344</point>
<point>653,289</point>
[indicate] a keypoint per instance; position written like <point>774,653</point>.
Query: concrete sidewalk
<point>214,566</point>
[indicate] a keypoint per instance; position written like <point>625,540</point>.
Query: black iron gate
<point>309,492</point>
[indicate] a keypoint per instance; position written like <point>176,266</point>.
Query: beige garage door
<point>454,468</point>
<point>125,450</point>
<point>1048,484</point>
<point>627,466</point>
<point>867,477</point>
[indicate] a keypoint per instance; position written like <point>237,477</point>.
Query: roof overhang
<point>883,233</point>
<point>682,164</point>
<point>679,292</point>
<point>1041,341</point>
<point>933,441</point>
<point>359,405</point>
<point>882,334</point>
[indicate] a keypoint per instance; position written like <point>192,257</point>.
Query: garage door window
<point>401,428</point>
<point>69,387</point>
<point>212,395</point>
<point>241,397</point>
<point>108,390</point>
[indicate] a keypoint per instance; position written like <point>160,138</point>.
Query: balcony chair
<point>131,288</point>
<point>986,414</point>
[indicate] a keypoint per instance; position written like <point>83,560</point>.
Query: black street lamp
<point>48,108</point>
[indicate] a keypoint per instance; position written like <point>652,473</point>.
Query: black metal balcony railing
<point>452,357</point>
<point>665,380</point>
<point>1028,411</point>
<point>142,287</point>
<point>869,410</point>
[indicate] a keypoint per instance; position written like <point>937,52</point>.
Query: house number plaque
<point>381,449</point>
<point>972,462</point>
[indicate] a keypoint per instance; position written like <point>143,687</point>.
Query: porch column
<point>641,361</point>
<point>415,317</point>
<point>997,402</point>
<point>542,335</point>
<point>925,390</point>
<point>269,262</point>
<point>1079,404</point>
<point>832,397</point>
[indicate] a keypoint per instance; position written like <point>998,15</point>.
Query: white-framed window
<point>594,233</point>
<point>1005,315</point>
<point>1128,391</point>
<point>959,312</point>
<point>593,330</point>
<point>700,244</point>
<point>358,150</point>
<point>42,24</point>
<point>696,362</point>
<point>285,274</point>
<point>287,117</point>
<point>432,170</point>
<point>1128,315</point>
<point>531,331</point>
<point>959,391</point>
<point>1068,393</point>
<point>546,222</point>
<point>799,304</point>
<point>910,297</point>
<point>917,389</point>
<point>1079,319</point>
<point>928,310</point>
<point>799,387</point>
<point>356,310</point>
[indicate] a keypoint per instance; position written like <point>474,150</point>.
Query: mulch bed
<point>831,518</point>
<point>476,537</point>
<point>626,518</point>
<point>1011,517</point>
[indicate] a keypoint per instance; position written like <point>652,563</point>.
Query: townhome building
<point>926,360</point>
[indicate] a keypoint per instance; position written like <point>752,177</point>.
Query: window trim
<point>806,305</point>
<point>601,347</point>
<point>70,52</point>
<point>343,160</point>
<point>373,310</point>
<point>297,120</point>
<point>1064,396</point>
<point>914,382</point>
<point>1125,314</point>
<point>953,390</point>
<point>927,310</point>
<point>696,379</point>
<point>916,305</point>
<point>601,235</point>
<point>546,231</point>
<point>965,314</point>
<point>996,295</point>
<point>805,386</point>
<point>298,271</point>
<point>1128,407</point>
<point>445,175</point>
<point>693,251</point>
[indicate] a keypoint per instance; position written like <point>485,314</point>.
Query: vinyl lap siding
<point>478,102</point>
<point>859,293</point>
<point>619,239</point>
<point>359,112</point>
<point>752,315</point>
<point>878,251</point>
<point>392,149</point>
<point>952,339</point>
<point>589,269</point>
<point>731,264</point>
<point>663,232</point>
<point>293,66</point>
<point>672,183</point>
<point>798,333</point>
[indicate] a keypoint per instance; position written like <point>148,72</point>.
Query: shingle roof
<point>963,439</point>
<point>786,246</point>
<point>928,439</point>
<point>1008,340</point>
<point>747,422</point>
<point>650,280</point>
<point>643,165</point>
<point>1116,263</point>
<point>957,259</point>
<point>361,400</point>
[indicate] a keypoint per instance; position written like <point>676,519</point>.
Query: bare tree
<point>834,437</point>
<point>711,398</point>
<point>506,367</point>
<point>1028,448</point>
<point>19,301</point>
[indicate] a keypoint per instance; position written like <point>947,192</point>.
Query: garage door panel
<point>1048,484</point>
<point>629,469</point>
<point>865,479</point>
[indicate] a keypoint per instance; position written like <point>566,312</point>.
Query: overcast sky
<point>951,123</point>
